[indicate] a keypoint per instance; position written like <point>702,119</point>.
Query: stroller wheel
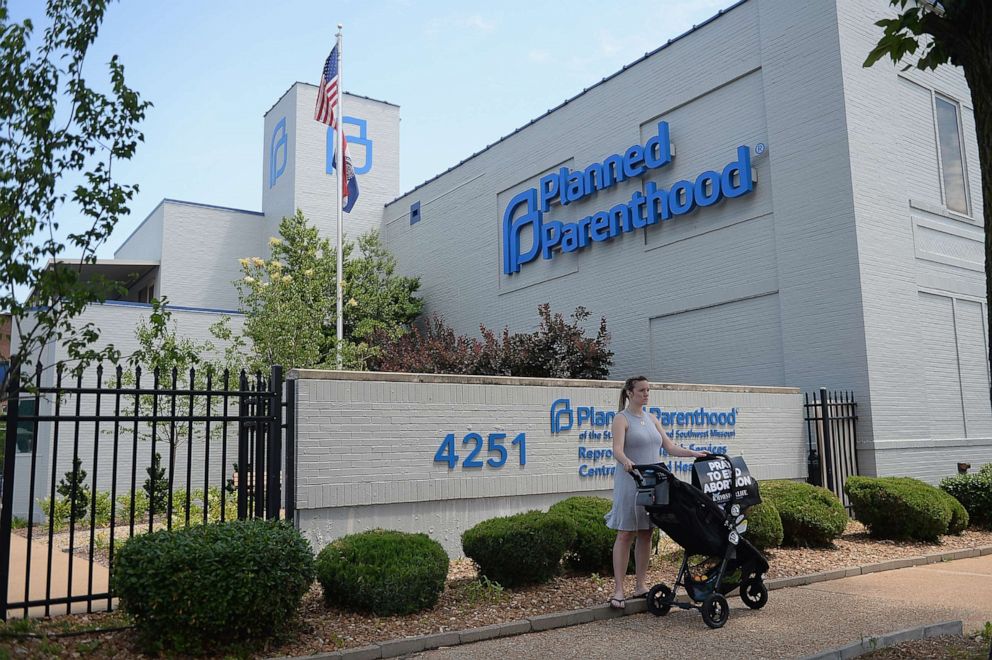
<point>754,593</point>
<point>659,600</point>
<point>715,611</point>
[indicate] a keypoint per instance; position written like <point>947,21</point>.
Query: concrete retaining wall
<point>371,447</point>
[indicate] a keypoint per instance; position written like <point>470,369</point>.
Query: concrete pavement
<point>797,621</point>
<point>38,579</point>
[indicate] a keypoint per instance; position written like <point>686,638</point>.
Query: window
<point>951,155</point>
<point>25,429</point>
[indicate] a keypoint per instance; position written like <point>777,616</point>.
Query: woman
<point>637,437</point>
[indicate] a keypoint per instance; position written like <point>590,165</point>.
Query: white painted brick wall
<point>366,445</point>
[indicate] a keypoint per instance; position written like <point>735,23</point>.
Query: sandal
<point>617,603</point>
<point>642,594</point>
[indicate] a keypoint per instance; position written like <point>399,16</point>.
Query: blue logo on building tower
<point>526,210</point>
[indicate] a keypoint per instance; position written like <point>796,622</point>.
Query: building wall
<point>723,295</point>
<point>145,242</point>
<point>921,265</point>
<point>817,279</point>
<point>305,183</point>
<point>201,246</point>
<point>367,444</point>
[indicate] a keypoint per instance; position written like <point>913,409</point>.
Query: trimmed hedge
<point>811,516</point>
<point>974,492</point>
<point>592,550</point>
<point>764,526</point>
<point>902,508</point>
<point>383,572</point>
<point>959,515</point>
<point>205,588</point>
<point>518,550</point>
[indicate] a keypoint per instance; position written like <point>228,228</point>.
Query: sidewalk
<point>797,621</point>
<point>59,580</point>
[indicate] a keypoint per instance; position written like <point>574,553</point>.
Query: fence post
<point>827,449</point>
<point>290,480</point>
<point>274,462</point>
<point>242,448</point>
<point>6,513</point>
<point>813,457</point>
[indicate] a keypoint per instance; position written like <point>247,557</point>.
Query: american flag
<point>329,93</point>
<point>328,104</point>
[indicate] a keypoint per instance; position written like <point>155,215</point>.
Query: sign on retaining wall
<point>438,454</point>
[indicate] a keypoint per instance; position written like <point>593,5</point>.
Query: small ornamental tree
<point>73,488</point>
<point>290,305</point>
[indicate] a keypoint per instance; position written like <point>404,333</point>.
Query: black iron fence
<point>89,463</point>
<point>831,421</point>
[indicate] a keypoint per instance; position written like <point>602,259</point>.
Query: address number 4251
<point>494,446</point>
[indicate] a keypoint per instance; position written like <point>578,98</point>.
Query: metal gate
<point>831,421</point>
<point>184,449</point>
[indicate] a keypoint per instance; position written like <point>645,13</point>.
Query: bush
<point>974,492</point>
<point>898,507</point>
<point>764,526</point>
<point>959,515</point>
<point>592,550</point>
<point>558,349</point>
<point>517,550</point>
<point>203,588</point>
<point>811,516</point>
<point>73,488</point>
<point>383,572</point>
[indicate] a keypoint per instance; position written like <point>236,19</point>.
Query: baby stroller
<point>703,527</point>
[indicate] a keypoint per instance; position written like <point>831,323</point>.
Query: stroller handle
<point>640,469</point>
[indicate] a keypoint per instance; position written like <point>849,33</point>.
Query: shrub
<point>156,487</point>
<point>811,516</point>
<point>898,507</point>
<point>73,487</point>
<point>974,492</point>
<point>202,588</point>
<point>557,349</point>
<point>764,526</point>
<point>592,550</point>
<point>517,550</point>
<point>959,515</point>
<point>383,572</point>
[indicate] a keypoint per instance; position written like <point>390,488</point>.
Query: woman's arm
<point>672,448</point>
<point>619,428</point>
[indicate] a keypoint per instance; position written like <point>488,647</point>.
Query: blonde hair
<point>628,386</point>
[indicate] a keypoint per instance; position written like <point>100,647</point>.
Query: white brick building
<point>854,262</point>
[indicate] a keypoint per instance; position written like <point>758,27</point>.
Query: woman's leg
<point>642,557</point>
<point>621,555</point>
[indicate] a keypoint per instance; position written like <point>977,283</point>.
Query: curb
<point>407,645</point>
<point>869,644</point>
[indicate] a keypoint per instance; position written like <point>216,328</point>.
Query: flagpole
<point>339,284</point>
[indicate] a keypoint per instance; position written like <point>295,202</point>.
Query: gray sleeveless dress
<point>642,444</point>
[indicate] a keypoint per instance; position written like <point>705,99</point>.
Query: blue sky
<point>463,73</point>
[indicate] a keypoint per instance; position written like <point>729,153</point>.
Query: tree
<point>957,32</point>
<point>290,307</point>
<point>378,300</point>
<point>59,137</point>
<point>288,299</point>
<point>181,364</point>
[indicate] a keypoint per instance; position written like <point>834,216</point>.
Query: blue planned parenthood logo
<point>700,429</point>
<point>527,209</point>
